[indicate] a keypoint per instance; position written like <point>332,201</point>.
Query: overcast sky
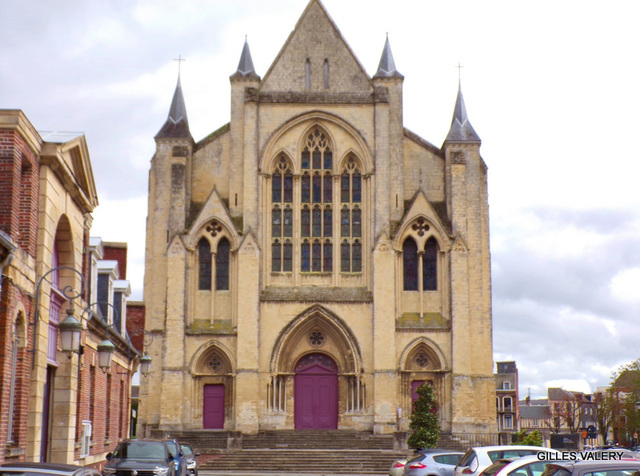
<point>551,87</point>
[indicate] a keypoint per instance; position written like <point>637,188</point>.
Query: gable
<point>316,39</point>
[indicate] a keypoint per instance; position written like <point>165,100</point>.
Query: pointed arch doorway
<point>316,392</point>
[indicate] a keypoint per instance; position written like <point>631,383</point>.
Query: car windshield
<point>173,448</point>
<point>416,458</point>
<point>186,449</point>
<point>450,459</point>
<point>140,450</point>
<point>467,458</point>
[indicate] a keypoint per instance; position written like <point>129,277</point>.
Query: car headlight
<point>108,470</point>
<point>191,464</point>
<point>160,470</point>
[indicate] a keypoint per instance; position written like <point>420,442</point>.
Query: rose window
<point>215,363</point>
<point>422,360</point>
<point>316,339</point>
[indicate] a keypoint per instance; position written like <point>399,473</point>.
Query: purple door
<point>213,407</point>
<point>316,392</point>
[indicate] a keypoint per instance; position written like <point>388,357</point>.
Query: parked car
<point>593,468</point>
<point>46,469</point>
<point>522,466</point>
<point>150,457</point>
<point>439,463</point>
<point>397,467</point>
<point>477,459</point>
<point>178,456</point>
<point>192,459</point>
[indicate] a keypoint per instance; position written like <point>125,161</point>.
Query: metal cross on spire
<point>459,66</point>
<point>179,59</point>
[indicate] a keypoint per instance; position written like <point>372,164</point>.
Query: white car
<point>524,466</point>
<point>477,459</point>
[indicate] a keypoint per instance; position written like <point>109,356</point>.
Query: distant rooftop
<point>59,137</point>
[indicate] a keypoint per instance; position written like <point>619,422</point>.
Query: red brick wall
<point>19,171</point>
<point>135,324</point>
<point>117,252</point>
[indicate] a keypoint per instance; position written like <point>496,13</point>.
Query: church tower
<point>312,262</point>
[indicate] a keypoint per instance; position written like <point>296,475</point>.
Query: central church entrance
<point>316,392</point>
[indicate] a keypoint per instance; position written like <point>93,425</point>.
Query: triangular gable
<point>213,208</point>
<point>420,207</point>
<point>316,38</point>
<point>69,159</point>
<point>249,245</point>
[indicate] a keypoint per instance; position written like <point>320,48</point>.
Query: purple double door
<point>213,407</point>
<point>316,393</point>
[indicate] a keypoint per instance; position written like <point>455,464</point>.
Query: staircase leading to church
<point>298,451</point>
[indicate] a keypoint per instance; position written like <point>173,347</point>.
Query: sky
<point>550,87</point>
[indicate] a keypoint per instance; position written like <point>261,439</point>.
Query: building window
<point>204,265</point>
<point>430,265</point>
<point>222,265</point>
<point>86,439</point>
<point>326,73</point>
<point>307,74</point>
<point>535,423</point>
<point>508,421</point>
<point>507,404</point>
<point>410,264</point>
<point>324,221</point>
<point>416,263</point>
<point>506,385</point>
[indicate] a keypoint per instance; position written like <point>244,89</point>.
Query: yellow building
<point>311,262</point>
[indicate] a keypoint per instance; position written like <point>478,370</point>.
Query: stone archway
<point>317,332</point>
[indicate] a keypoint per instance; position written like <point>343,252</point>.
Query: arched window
<point>326,73</point>
<point>204,265</point>
<point>281,217</point>
<point>306,221</point>
<point>351,218</point>
<point>222,265</point>
<point>410,264</point>
<point>316,212</point>
<point>430,265</point>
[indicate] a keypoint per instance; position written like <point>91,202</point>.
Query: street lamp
<point>70,333</point>
<point>70,328</point>
<point>145,365</point>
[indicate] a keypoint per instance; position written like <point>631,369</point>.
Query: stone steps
<point>304,461</point>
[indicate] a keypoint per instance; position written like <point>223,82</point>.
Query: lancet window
<point>282,217</point>
<point>204,265</point>
<point>222,265</point>
<point>351,218</point>
<point>416,263</point>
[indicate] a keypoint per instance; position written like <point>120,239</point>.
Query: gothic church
<point>312,262</point>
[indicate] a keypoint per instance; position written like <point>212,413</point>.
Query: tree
<point>604,415</point>
<point>424,419</point>
<point>570,411</point>
<point>528,439</point>
<point>557,418</point>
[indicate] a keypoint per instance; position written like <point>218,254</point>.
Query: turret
<point>244,84</point>
<point>389,82</point>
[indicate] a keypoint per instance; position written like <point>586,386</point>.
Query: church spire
<point>387,67</point>
<point>461,129</point>
<point>245,65</point>
<point>177,124</point>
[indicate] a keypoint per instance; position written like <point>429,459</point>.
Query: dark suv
<point>140,458</point>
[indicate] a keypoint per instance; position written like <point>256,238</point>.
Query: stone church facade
<point>312,262</point>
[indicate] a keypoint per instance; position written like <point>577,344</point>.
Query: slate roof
<point>536,412</point>
<point>461,129</point>
<point>177,124</point>
<point>245,65</point>
<point>387,66</point>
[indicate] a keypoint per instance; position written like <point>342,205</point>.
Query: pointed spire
<point>177,124</point>
<point>387,67</point>
<point>461,129</point>
<point>245,65</point>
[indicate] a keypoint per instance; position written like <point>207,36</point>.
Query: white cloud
<point>625,285</point>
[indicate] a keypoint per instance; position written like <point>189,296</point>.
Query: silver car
<point>432,463</point>
<point>475,460</point>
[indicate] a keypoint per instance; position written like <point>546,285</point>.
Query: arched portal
<point>316,392</point>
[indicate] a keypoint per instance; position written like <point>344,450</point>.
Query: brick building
<point>315,246</point>
<point>55,406</point>
<point>507,397</point>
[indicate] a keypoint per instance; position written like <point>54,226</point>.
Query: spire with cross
<point>179,59</point>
